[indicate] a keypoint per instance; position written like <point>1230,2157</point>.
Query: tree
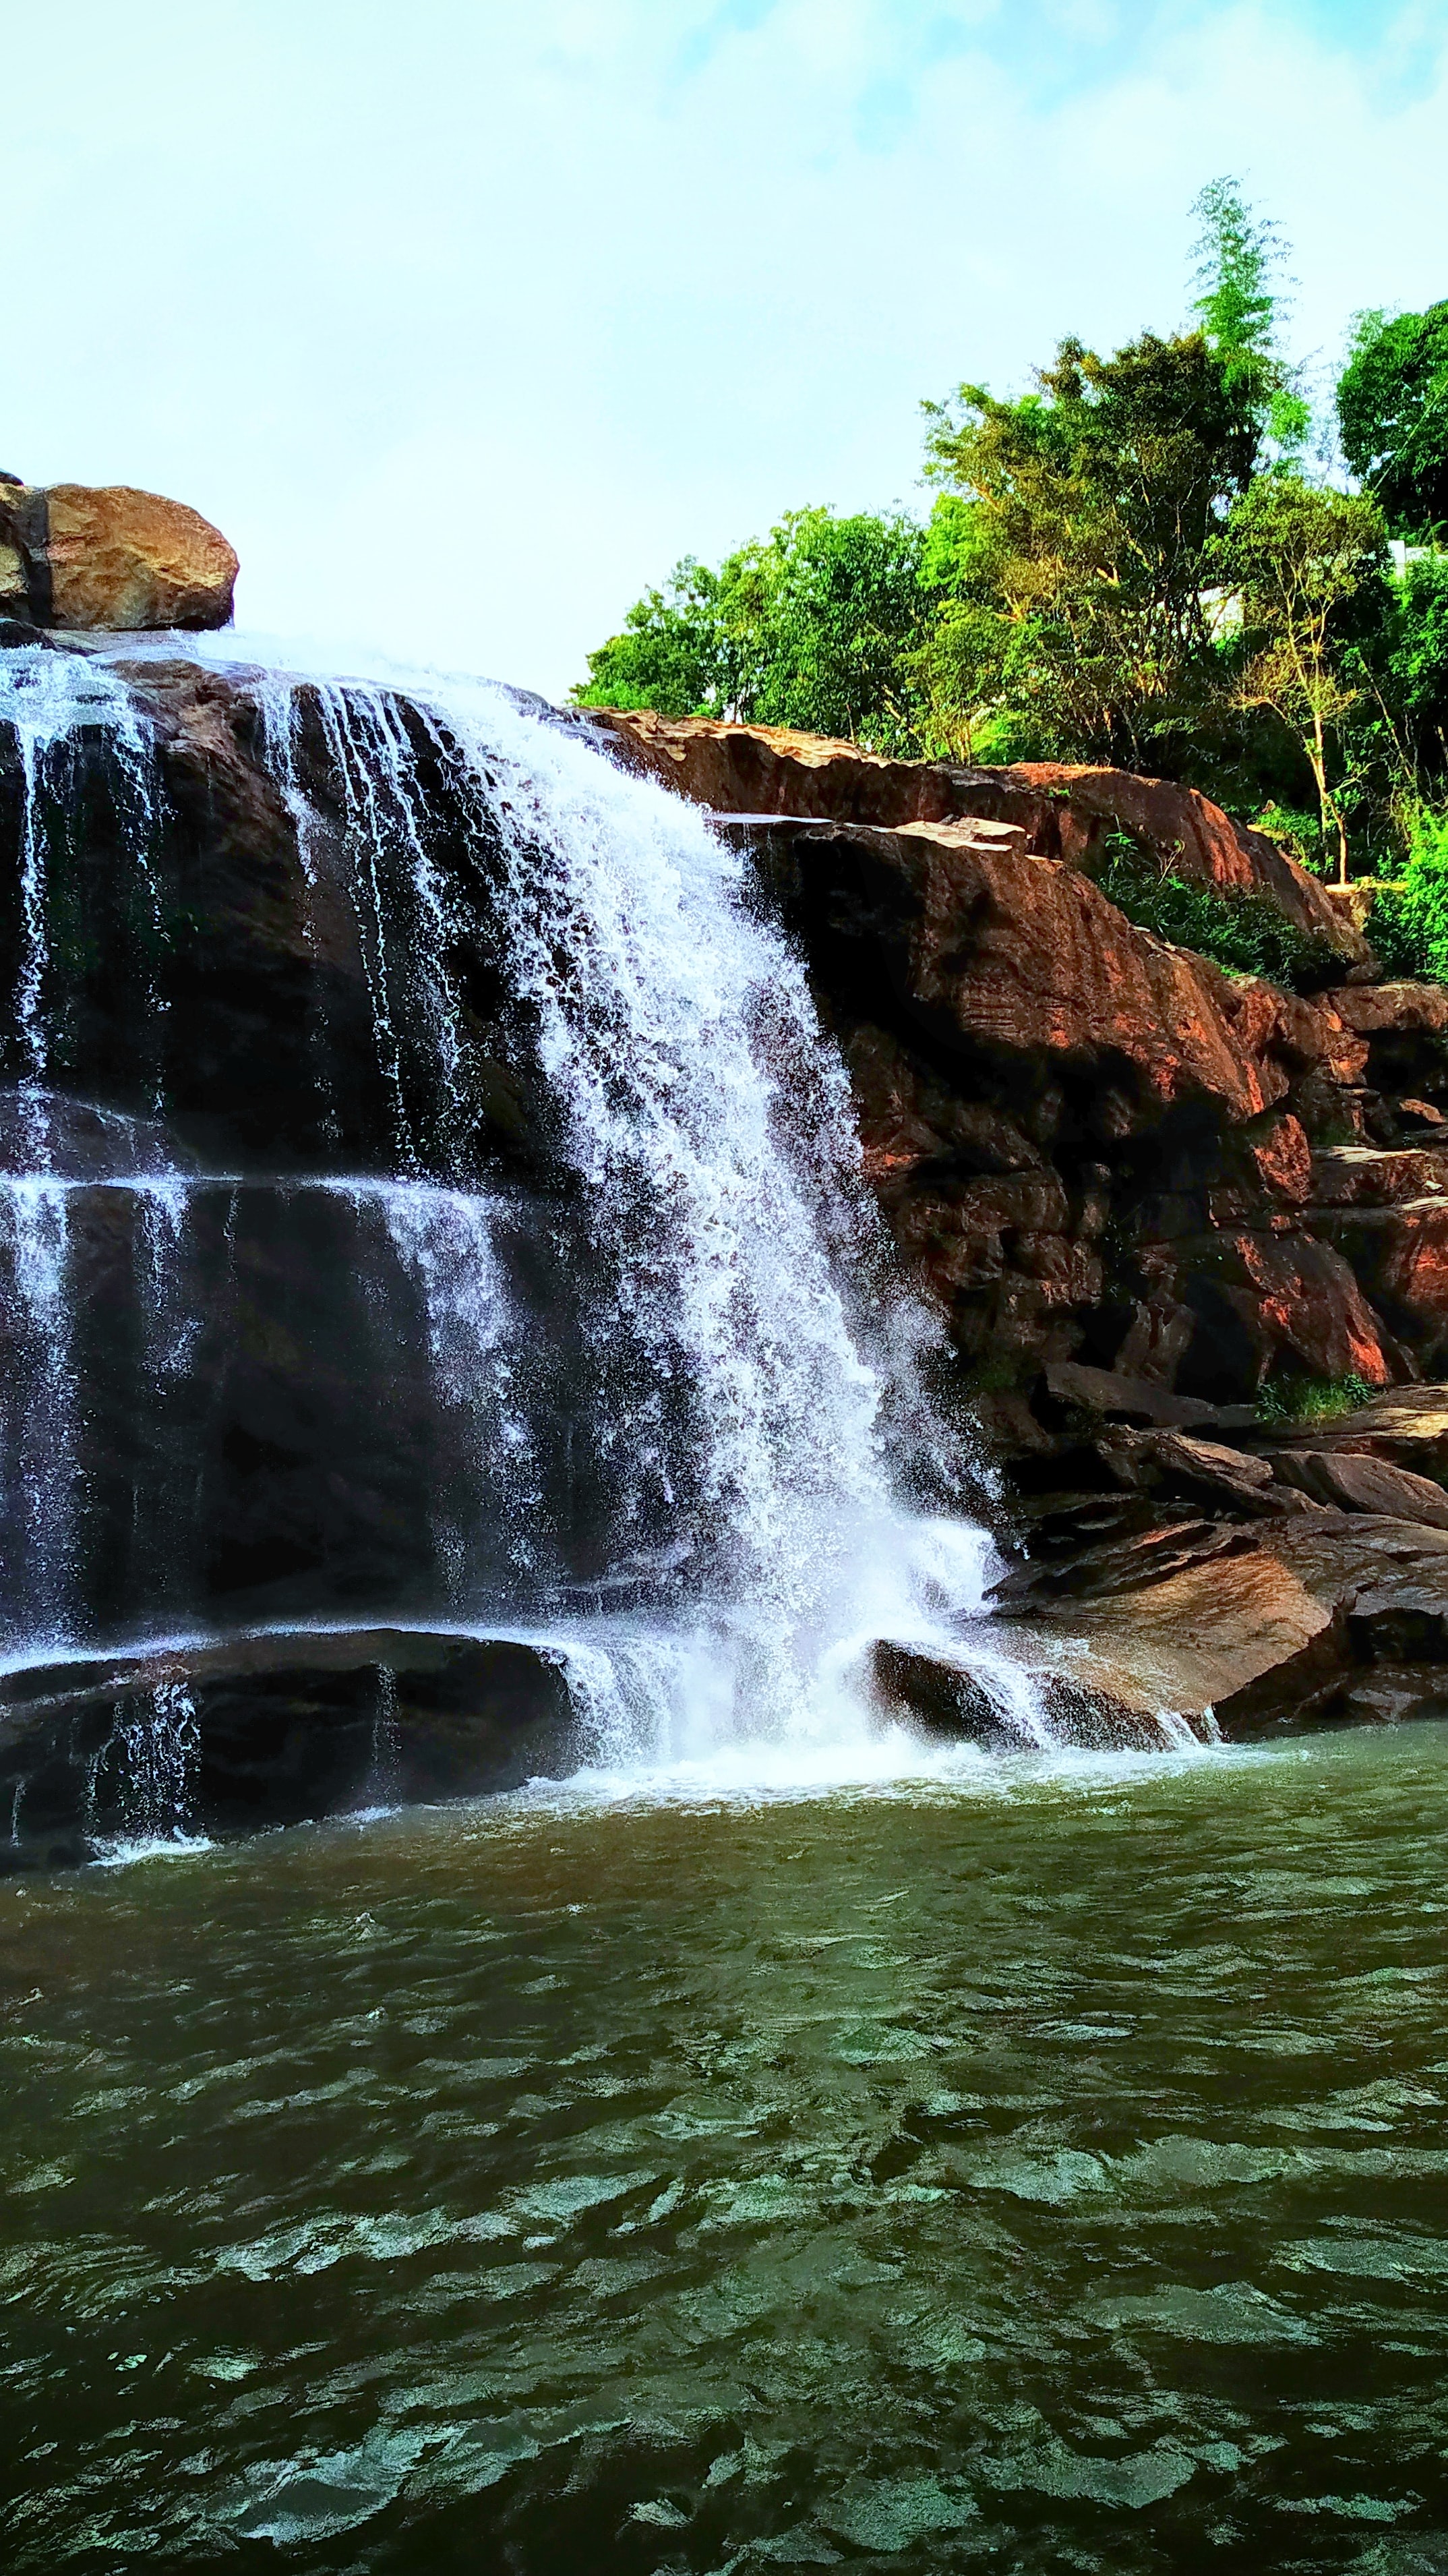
<point>1238,256</point>
<point>1392,408</point>
<point>672,653</point>
<point>814,627</point>
<point>1417,663</point>
<point>1297,555</point>
<point>1079,591</point>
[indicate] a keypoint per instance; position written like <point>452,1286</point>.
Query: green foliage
<point>1408,924</point>
<point>1297,555</point>
<point>1417,661</point>
<point>1238,256</point>
<point>813,628</point>
<point>1127,564</point>
<point>672,654</point>
<point>1297,829</point>
<point>1240,931</point>
<point>1286,1402</point>
<point>1392,408</point>
<point>1073,562</point>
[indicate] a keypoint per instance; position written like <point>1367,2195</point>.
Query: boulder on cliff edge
<point>104,556</point>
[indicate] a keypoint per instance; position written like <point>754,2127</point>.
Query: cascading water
<point>664,1368</point>
<point>158,1744</point>
<point>711,1129</point>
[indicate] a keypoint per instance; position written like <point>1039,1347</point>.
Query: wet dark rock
<point>941,1699</point>
<point>1118,1398</point>
<point>1202,1471</point>
<point>952,1704</point>
<point>1093,1720</point>
<point>291,1726</point>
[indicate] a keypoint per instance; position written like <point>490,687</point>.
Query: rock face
<point>1091,1146</point>
<point>1065,813</point>
<point>1094,1148</point>
<point>1139,1191</point>
<point>74,555</point>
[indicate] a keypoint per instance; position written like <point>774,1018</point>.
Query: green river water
<point>1042,2169</point>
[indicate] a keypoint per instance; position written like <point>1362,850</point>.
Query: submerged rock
<point>943,1700</point>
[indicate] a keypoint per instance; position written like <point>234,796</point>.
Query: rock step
<point>287,1726</point>
<point>1368,1176</point>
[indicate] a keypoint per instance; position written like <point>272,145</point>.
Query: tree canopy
<point>1392,407</point>
<point>815,628</point>
<point>1078,580</point>
<point>1144,558</point>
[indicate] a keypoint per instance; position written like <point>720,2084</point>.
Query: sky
<point>465,319</point>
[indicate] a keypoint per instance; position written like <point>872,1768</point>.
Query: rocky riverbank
<point>1158,1208</point>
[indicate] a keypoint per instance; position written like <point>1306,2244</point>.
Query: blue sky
<point>465,319</point>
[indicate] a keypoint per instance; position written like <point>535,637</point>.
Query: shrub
<point>1408,924</point>
<point>1241,931</point>
<point>1297,1400</point>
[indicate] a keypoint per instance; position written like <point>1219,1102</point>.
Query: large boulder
<point>82,556</point>
<point>286,1724</point>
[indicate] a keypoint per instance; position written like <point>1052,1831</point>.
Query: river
<point>1033,2165</point>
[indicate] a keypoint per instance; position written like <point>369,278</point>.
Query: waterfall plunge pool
<point>1041,2168</point>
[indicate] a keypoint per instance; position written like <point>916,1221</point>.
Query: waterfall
<point>710,1126</point>
<point>664,1358</point>
<point>159,1749</point>
<point>39,1412</point>
<point>49,700</point>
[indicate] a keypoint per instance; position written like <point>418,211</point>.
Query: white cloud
<point>465,321</point>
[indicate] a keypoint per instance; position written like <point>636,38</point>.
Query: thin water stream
<point>1039,2169</point>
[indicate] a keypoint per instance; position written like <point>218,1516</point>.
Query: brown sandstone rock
<point>1190,834</point>
<point>1297,1299</point>
<point>1401,1253</point>
<point>1282,1160</point>
<point>768,769</point>
<point>1405,1030</point>
<point>1406,1424</point>
<point>1373,1176</point>
<point>1065,812</point>
<point>1026,959</point>
<point>1406,1009</point>
<point>1361,1484</point>
<point>81,556</point>
<point>1186,1643</point>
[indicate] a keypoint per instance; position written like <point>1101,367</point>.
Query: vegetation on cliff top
<point>1164,558</point>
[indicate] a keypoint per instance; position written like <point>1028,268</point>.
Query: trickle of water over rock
<point>159,1748</point>
<point>462,1224</point>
